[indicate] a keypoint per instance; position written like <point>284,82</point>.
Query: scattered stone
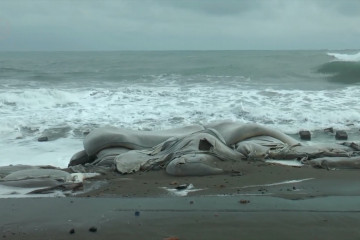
<point>93,229</point>
<point>171,238</point>
<point>43,139</point>
<point>305,135</point>
<point>330,130</point>
<point>235,173</point>
<point>262,189</point>
<point>244,201</point>
<point>72,231</point>
<point>341,135</point>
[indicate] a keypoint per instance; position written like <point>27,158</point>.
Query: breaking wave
<point>346,57</point>
<point>345,68</point>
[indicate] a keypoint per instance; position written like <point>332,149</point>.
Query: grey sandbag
<point>79,158</point>
<point>335,162</point>
<point>234,132</point>
<point>36,178</point>
<point>202,143</point>
<point>108,137</point>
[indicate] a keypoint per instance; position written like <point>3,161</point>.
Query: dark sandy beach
<point>252,201</point>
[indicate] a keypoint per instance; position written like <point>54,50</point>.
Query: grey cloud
<point>216,7</point>
<point>184,24</point>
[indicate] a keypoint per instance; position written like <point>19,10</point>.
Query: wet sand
<point>251,201</point>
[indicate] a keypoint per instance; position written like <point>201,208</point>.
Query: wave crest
<point>346,57</point>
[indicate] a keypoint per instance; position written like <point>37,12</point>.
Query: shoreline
<point>261,217</point>
<point>282,201</point>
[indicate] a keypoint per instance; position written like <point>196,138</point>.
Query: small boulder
<point>341,135</point>
<point>305,135</point>
<point>43,139</point>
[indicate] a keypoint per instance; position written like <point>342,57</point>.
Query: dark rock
<point>43,139</point>
<point>72,231</point>
<point>330,130</point>
<point>244,201</point>
<point>137,213</point>
<point>93,229</point>
<point>341,135</point>
<point>305,135</point>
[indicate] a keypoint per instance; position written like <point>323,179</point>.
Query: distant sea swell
<point>345,68</point>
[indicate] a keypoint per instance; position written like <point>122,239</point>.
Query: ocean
<point>63,95</point>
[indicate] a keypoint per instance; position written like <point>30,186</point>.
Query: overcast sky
<point>179,24</point>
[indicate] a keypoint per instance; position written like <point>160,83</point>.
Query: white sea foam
<point>293,163</point>
<point>346,57</point>
<point>278,183</point>
<point>27,113</point>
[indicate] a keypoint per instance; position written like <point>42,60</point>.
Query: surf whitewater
<point>64,95</point>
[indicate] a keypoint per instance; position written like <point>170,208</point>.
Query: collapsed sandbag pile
<point>201,150</point>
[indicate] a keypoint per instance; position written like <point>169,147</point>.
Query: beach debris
<point>182,191</point>
<point>182,187</point>
<point>72,231</point>
<point>93,229</point>
<point>43,139</point>
<point>80,177</point>
<point>341,135</point>
<point>244,201</point>
<point>305,135</point>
